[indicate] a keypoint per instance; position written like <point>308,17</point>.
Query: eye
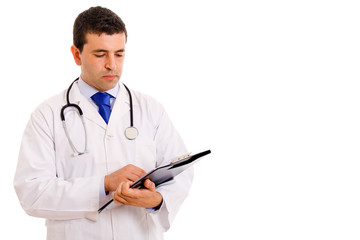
<point>99,55</point>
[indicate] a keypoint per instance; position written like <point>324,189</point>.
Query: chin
<point>109,85</point>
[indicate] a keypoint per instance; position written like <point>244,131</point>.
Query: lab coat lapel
<point>120,108</point>
<point>89,111</point>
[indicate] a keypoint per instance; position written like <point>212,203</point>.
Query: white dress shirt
<point>87,91</point>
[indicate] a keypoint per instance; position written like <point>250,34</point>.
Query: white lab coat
<point>51,183</point>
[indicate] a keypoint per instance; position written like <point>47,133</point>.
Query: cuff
<point>103,196</point>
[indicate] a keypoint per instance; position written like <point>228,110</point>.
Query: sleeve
<point>40,191</point>
<point>169,146</point>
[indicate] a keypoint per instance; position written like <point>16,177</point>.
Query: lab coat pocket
<point>64,230</point>
<point>145,154</point>
<point>77,166</point>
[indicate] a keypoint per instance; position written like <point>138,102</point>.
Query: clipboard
<point>165,173</point>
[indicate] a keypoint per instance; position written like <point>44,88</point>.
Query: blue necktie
<point>103,102</point>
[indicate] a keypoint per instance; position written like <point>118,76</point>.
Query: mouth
<point>110,77</point>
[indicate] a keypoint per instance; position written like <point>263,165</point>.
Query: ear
<point>76,54</point>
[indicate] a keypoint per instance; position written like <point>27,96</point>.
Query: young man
<point>66,172</point>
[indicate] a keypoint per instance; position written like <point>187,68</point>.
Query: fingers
<point>127,173</point>
<point>147,198</point>
<point>149,185</point>
<point>132,177</point>
<point>132,173</point>
<point>135,171</point>
<point>118,195</point>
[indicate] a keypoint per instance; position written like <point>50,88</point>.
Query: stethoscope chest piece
<point>131,133</point>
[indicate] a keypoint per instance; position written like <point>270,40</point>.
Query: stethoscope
<point>130,132</point>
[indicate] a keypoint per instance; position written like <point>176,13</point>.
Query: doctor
<point>66,174</point>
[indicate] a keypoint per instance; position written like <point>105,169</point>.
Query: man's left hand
<point>146,197</point>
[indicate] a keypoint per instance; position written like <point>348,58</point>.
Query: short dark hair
<point>96,20</point>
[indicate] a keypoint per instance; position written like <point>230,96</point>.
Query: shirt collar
<point>88,91</point>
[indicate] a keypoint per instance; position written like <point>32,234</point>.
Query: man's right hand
<point>128,173</point>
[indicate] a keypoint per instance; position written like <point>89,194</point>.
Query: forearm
<point>57,199</point>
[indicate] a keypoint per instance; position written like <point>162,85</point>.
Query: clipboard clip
<point>181,158</point>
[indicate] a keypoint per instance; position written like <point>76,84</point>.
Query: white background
<point>271,87</point>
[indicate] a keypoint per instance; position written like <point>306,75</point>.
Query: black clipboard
<point>165,173</point>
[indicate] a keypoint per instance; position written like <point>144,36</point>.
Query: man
<point>65,173</point>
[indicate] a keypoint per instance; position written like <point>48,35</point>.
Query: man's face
<point>101,60</point>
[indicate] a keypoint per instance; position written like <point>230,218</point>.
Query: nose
<point>110,63</point>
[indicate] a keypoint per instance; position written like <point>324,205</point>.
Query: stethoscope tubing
<point>131,107</point>
<point>130,133</point>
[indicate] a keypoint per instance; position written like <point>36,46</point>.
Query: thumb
<point>117,194</point>
<point>119,188</point>
<point>150,185</point>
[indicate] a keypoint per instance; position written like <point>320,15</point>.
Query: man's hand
<point>129,173</point>
<point>145,197</point>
